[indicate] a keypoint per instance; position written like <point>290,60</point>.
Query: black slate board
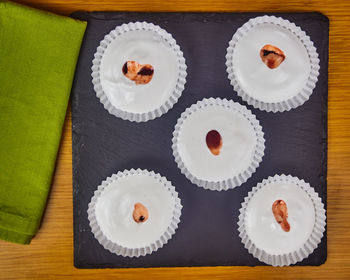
<point>296,141</point>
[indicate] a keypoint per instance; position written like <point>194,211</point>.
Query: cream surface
<point>261,82</point>
<point>115,206</point>
<point>239,142</point>
<point>262,227</point>
<point>144,47</point>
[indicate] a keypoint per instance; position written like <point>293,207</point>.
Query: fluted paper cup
<point>161,35</point>
<point>113,246</point>
<point>300,96</point>
<point>299,253</point>
<point>233,180</point>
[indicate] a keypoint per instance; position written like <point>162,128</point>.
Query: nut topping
<point>214,142</point>
<point>280,211</point>
<point>272,56</point>
<point>140,213</point>
<point>139,73</point>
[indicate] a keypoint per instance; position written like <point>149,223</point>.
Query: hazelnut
<point>139,73</point>
<point>272,56</point>
<point>280,211</point>
<point>140,213</point>
<point>214,142</point>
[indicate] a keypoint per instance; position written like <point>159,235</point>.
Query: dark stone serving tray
<point>296,141</point>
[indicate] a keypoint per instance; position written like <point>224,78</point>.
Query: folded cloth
<point>38,54</point>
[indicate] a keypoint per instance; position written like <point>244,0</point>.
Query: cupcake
<point>218,144</point>
<point>282,220</point>
<point>138,72</point>
<point>134,212</point>
<point>272,64</point>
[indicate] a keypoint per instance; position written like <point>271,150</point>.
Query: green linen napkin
<point>38,55</point>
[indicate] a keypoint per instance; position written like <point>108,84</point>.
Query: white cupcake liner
<point>181,80</point>
<point>309,246</point>
<point>235,180</point>
<point>142,251</point>
<point>293,102</point>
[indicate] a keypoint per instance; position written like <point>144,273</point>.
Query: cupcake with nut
<point>218,144</point>
<point>134,212</point>
<point>272,64</point>
<point>282,220</point>
<point>138,72</point>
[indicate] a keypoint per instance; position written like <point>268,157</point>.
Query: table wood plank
<point>50,255</point>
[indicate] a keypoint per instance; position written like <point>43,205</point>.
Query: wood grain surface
<point>50,255</point>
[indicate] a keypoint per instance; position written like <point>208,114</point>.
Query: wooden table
<point>50,255</point>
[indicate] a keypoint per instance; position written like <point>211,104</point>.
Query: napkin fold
<point>38,55</point>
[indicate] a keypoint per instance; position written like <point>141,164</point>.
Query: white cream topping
<point>261,82</point>
<point>144,47</point>
<point>115,206</point>
<point>261,225</point>
<point>239,141</point>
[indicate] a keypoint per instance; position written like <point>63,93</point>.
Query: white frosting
<point>238,147</point>
<point>144,47</point>
<point>259,81</point>
<point>115,206</point>
<point>261,225</point>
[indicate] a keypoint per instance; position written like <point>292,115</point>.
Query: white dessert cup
<point>113,246</point>
<point>303,251</point>
<point>300,97</point>
<point>235,179</point>
<point>163,36</point>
